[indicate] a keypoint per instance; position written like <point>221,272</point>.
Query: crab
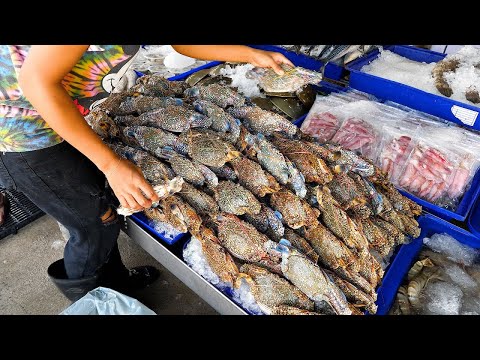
<point>270,290</point>
<point>295,211</point>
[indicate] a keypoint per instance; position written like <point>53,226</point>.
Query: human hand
<point>269,59</point>
<point>129,185</point>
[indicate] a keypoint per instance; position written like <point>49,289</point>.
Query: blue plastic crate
<point>141,220</point>
<point>332,71</point>
<point>407,255</point>
<point>474,219</point>
<point>407,95</point>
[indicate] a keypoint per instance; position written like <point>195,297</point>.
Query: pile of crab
<point>305,225</point>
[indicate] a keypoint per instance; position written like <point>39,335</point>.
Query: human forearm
<point>235,53</point>
<point>232,53</point>
<point>60,113</point>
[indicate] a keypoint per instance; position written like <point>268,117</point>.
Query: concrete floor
<point>26,289</point>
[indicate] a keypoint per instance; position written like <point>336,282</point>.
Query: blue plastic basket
<point>141,220</point>
<point>407,95</point>
<point>407,255</point>
<point>474,219</point>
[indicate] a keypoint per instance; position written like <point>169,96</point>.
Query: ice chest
<point>407,255</point>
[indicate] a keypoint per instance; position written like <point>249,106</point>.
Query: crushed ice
<point>392,66</point>
<point>246,86</point>
<point>244,297</point>
<point>452,249</point>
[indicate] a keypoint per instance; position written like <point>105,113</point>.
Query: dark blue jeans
<point>68,186</point>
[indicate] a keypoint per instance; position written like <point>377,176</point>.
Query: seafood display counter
<point>281,220</point>
<point>167,256</point>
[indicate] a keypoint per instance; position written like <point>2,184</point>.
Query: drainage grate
<point>20,212</point>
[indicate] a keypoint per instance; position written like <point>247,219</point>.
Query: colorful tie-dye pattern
<point>21,127</point>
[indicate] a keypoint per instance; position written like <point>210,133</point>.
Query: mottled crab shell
<point>235,199</point>
<point>309,277</point>
<point>270,290</point>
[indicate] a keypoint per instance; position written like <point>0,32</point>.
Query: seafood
<point>290,310</point>
<point>349,161</point>
<point>269,157</point>
<point>222,96</point>
<point>295,211</point>
<point>332,252</point>
<point>153,169</point>
<point>340,223</point>
<point>428,172</point>
<point>142,104</point>
<point>391,233</point>
<point>235,199</point>
<point>410,225</point>
<point>168,216</point>
<point>217,257</point>
<point>263,121</point>
<point>191,171</point>
<point>375,237</point>
<point>171,118</point>
<point>270,290</point>
<point>293,79</point>
<point>301,245</point>
<point>221,121</point>
<point>418,266</point>
<point>399,202</point>
<point>394,155</point>
<point>102,124</point>
<point>243,241</point>
<point>344,190</point>
<point>358,297</point>
<point>321,151</point>
<point>309,277</point>
<point>112,103</point>
<point>251,175</point>
<point>201,202</point>
<point>175,206</point>
<point>355,134</point>
<point>438,72</point>
<point>471,94</point>
<point>155,85</point>
<point>163,190</point>
<point>152,139</point>
<point>296,180</point>
<point>268,222</point>
<point>313,168</point>
<point>224,172</point>
<point>322,125</point>
<point>403,302</point>
<point>416,285</point>
<point>208,149</point>
<point>369,192</point>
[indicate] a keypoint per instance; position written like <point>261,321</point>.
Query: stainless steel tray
<point>182,271</point>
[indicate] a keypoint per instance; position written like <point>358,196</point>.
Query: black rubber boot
<point>73,289</point>
<point>116,276</point>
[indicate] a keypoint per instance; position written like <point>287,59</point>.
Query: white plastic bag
<point>105,301</point>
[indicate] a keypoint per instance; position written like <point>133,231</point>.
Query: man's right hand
<point>129,185</point>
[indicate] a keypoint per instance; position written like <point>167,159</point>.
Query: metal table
<point>214,297</point>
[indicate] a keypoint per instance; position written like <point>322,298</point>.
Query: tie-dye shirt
<point>91,80</point>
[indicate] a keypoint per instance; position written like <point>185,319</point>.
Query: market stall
<point>351,233</point>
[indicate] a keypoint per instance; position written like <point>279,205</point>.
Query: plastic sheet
<point>105,301</point>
